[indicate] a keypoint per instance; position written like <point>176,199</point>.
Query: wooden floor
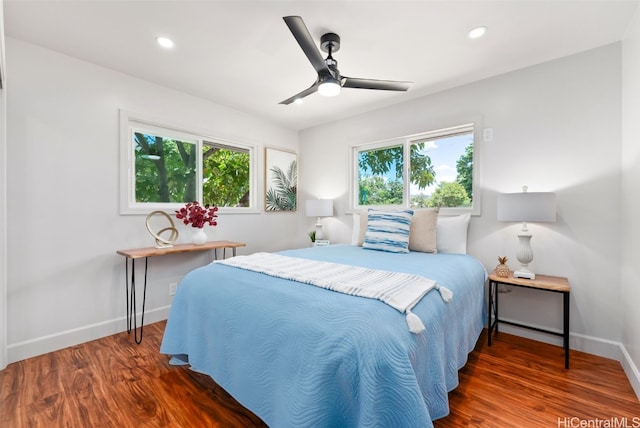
<point>112,382</point>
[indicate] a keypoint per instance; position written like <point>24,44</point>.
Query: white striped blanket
<point>401,291</point>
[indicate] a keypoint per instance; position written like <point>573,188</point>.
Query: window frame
<point>406,142</point>
<point>131,123</point>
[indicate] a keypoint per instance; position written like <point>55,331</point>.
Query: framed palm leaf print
<point>281,180</point>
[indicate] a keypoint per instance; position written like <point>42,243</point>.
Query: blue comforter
<point>302,356</point>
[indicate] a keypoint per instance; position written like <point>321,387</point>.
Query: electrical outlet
<point>173,286</point>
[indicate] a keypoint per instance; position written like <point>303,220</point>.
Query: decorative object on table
<point>281,180</point>
<point>198,236</point>
<point>312,236</point>
<point>502,270</point>
<point>319,208</point>
<point>322,243</point>
<point>160,241</point>
<point>198,217</point>
<point>526,207</point>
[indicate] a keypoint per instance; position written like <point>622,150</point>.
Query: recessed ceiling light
<point>477,32</point>
<point>165,42</point>
<point>298,101</point>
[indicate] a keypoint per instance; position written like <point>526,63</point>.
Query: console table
<point>138,253</point>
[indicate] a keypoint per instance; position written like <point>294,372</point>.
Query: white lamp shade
<point>527,207</point>
<point>319,207</point>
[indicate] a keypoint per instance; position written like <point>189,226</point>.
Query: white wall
<point>3,204</point>
<point>65,281</point>
<point>630,202</point>
<point>556,128</point>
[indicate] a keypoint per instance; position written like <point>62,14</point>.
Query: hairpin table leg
<point>131,298</point>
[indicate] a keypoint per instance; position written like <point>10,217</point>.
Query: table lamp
<point>319,208</point>
<point>526,207</point>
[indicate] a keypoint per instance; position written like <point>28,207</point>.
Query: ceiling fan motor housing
<point>330,40</point>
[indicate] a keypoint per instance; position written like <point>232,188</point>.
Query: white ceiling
<point>242,55</point>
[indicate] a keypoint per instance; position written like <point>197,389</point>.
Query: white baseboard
<point>45,344</point>
<point>631,370</point>
<point>580,342</point>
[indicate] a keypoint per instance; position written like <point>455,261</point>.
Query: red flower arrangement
<point>198,216</point>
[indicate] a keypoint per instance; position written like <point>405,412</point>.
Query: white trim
<point>45,344</point>
<point>591,345</point>
<point>3,198</point>
<point>631,370</point>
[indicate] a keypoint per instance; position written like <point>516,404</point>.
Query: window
<point>163,167</point>
<point>226,175</point>
<point>381,176</point>
<point>433,169</point>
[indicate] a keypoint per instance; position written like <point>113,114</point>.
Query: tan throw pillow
<point>422,236</point>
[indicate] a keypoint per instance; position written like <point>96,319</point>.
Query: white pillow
<point>355,233</point>
<point>360,221</point>
<point>451,234</point>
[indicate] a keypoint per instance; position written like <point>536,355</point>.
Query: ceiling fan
<point>329,80</point>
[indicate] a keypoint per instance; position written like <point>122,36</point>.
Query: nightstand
<point>554,284</point>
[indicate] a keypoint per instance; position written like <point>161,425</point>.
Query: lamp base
<point>524,274</point>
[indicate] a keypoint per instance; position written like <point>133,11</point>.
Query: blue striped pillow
<point>388,231</point>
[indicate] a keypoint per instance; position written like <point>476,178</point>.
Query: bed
<point>298,355</point>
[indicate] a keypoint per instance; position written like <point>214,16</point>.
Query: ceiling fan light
<point>329,88</point>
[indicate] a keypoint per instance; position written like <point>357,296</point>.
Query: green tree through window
<point>464,166</point>
<point>225,176</point>
<point>381,170</point>
<point>165,169</point>
<point>449,195</point>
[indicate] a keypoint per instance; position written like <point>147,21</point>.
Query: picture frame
<point>281,180</point>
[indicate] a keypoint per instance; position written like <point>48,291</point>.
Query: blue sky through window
<point>444,153</point>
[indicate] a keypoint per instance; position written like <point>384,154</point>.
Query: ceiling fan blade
<point>310,90</point>
<point>385,85</point>
<point>302,35</point>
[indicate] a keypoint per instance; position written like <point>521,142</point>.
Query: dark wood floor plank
<point>112,382</point>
